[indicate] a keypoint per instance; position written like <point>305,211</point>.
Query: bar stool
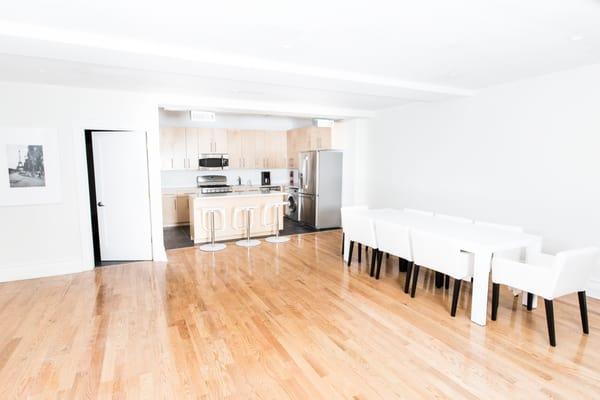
<point>208,215</point>
<point>268,210</point>
<point>248,210</point>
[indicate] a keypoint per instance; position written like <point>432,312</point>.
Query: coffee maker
<point>265,178</point>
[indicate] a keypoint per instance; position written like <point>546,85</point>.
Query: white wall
<point>526,153</point>
<point>51,239</point>
<point>353,137</point>
<point>234,121</point>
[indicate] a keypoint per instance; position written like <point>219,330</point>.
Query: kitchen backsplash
<point>187,178</point>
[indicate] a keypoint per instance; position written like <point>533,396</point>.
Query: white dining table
<point>481,241</point>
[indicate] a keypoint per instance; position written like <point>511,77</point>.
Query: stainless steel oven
<point>213,161</point>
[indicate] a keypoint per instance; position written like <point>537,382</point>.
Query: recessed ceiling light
<point>576,38</point>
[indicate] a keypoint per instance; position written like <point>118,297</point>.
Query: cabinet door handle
<point>175,202</point>
<point>171,162</point>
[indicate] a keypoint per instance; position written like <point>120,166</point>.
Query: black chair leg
<point>495,300</point>
<point>415,278</point>
<point>529,301</point>
<point>550,320</point>
<point>366,251</point>
<point>447,281</point>
<point>379,258</point>
<point>350,252</point>
<point>343,239</point>
<point>584,312</point>
<point>409,268</point>
<point>402,265</point>
<point>439,280</point>
<point>373,258</point>
<point>455,295</point>
<point>359,252</point>
<point>387,255</point>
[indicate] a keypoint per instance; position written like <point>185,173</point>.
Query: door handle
<point>100,204</point>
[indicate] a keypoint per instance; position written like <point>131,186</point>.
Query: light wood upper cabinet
<point>172,148</point>
<point>320,138</point>
<point>220,141</point>
<point>297,140</point>
<point>234,148</point>
<point>249,149</point>
<point>212,140</point>
<point>260,150</point>
<point>205,140</point>
<point>181,147</point>
<point>191,148</point>
<point>276,149</point>
<point>303,139</point>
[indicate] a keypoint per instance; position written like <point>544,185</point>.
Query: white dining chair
<point>359,228</point>
<point>443,255</point>
<point>394,239</point>
<point>418,212</point>
<point>548,277</point>
<point>511,254</point>
<point>345,211</point>
<point>452,218</point>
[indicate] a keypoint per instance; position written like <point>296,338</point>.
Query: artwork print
<point>25,165</point>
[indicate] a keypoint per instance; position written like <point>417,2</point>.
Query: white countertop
<point>236,194</point>
<point>194,189</point>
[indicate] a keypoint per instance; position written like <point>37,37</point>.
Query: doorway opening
<point>119,201</point>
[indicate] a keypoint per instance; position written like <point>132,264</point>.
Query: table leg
<point>481,276</point>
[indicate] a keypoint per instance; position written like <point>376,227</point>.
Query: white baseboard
<point>40,270</point>
<point>593,289</point>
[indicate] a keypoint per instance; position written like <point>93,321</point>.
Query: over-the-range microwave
<point>213,161</point>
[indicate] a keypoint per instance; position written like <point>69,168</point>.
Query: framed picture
<point>29,166</point>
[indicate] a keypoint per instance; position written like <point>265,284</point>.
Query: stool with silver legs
<point>208,224</point>
<point>268,211</point>
<point>249,210</point>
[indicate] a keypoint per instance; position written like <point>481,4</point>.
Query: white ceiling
<point>362,55</point>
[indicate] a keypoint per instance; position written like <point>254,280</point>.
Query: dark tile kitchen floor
<point>177,237</point>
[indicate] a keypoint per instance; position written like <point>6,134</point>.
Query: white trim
<point>32,271</point>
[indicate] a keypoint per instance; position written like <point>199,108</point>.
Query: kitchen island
<point>229,202</point>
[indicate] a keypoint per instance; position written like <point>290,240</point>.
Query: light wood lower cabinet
<point>176,210</point>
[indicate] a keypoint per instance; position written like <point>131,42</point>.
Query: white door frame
<point>83,197</point>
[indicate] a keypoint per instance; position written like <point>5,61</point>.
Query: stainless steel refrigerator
<point>320,188</point>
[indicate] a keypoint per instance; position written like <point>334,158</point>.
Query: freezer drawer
<point>307,209</point>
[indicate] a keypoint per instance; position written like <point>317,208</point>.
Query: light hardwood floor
<point>276,322</point>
